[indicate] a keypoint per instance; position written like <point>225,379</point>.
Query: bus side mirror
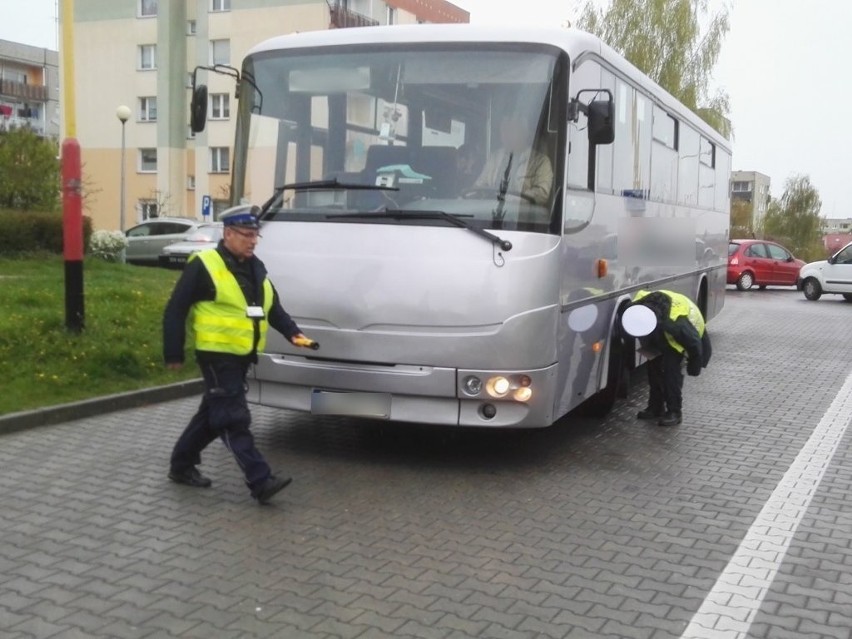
<point>601,115</point>
<point>198,108</point>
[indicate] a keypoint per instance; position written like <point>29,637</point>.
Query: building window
<point>148,209</point>
<point>147,8</point>
<point>147,160</point>
<point>147,56</point>
<point>741,187</point>
<point>191,27</point>
<point>220,5</point>
<point>148,109</point>
<point>220,52</point>
<point>219,207</point>
<point>190,182</point>
<point>13,75</point>
<point>219,159</point>
<point>220,106</point>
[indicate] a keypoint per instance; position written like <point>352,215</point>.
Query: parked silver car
<point>205,236</point>
<point>147,240</point>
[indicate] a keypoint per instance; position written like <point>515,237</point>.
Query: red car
<point>760,262</point>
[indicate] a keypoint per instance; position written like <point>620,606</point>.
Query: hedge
<point>26,232</point>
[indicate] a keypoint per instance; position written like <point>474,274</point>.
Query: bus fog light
<point>472,385</point>
<point>488,411</point>
<point>498,386</point>
<point>522,394</point>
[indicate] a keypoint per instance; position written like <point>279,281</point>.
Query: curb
<point>98,406</point>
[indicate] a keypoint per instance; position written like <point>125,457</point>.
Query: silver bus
<point>458,214</point>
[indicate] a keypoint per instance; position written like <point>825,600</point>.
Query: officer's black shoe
<point>272,486</point>
<point>190,477</point>
<point>671,418</point>
<point>649,413</point>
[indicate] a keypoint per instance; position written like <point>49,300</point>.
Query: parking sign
<point>205,206</point>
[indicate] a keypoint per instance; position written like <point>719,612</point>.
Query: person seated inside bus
<point>468,167</point>
<point>529,173</point>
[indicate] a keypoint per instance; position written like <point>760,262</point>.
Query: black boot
<point>190,476</point>
<point>671,418</point>
<point>272,486</point>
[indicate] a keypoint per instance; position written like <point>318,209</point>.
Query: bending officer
<point>668,325</point>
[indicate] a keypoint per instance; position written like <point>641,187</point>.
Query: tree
<point>29,171</point>
<point>794,220</point>
<point>742,219</point>
<point>664,40</point>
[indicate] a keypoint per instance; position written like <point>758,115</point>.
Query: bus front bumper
<point>403,393</point>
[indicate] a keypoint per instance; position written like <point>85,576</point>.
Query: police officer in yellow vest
<point>668,325</point>
<point>230,304</point>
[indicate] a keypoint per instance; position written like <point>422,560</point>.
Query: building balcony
<point>7,124</point>
<point>29,92</point>
<point>343,18</point>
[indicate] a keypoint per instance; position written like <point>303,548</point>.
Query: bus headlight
<point>472,385</point>
<point>498,386</point>
<point>522,394</point>
<point>509,386</point>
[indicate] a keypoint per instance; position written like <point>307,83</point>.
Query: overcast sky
<point>782,64</point>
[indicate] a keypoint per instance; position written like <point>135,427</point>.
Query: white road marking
<point>730,607</point>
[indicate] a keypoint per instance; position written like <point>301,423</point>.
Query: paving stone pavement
<point>591,528</point>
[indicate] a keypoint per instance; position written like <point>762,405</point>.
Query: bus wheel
<point>617,380</point>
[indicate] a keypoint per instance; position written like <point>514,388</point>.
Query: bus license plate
<point>351,404</point>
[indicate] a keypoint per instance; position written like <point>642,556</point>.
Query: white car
<point>833,275</point>
<point>205,236</point>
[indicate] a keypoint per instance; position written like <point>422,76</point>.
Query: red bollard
<point>72,234</point>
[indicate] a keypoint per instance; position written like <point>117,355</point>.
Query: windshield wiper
<point>334,184</point>
<point>318,185</point>
<point>455,220</point>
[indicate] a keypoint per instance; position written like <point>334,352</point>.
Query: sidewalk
<point>97,406</point>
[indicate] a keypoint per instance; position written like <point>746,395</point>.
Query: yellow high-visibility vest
<point>681,306</point>
<point>221,325</point>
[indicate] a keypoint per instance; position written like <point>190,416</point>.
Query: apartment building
<point>836,233</point>
<point>142,54</point>
<point>29,88</point>
<point>751,187</point>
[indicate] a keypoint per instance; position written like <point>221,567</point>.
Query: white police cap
<point>639,320</point>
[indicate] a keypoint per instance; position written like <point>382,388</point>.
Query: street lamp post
<point>123,114</point>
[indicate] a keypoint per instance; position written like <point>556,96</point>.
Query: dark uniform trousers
<point>665,380</point>
<point>223,413</point>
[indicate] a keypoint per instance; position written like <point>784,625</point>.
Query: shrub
<point>107,245</point>
<point>26,233</point>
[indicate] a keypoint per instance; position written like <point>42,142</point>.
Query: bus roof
<point>573,41</point>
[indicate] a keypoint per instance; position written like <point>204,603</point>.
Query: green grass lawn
<point>120,349</point>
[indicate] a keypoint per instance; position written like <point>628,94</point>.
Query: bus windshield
<point>465,129</point>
